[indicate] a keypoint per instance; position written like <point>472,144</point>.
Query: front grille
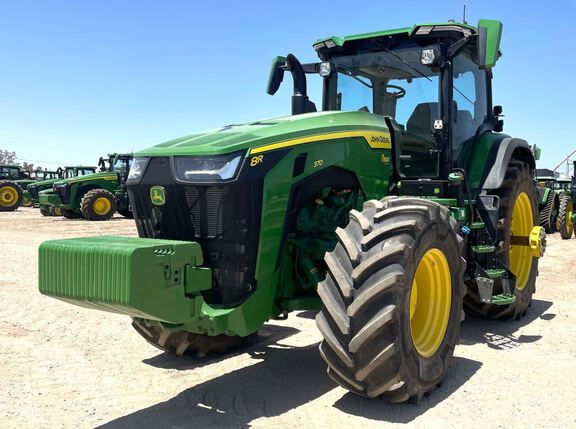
<point>33,190</point>
<point>223,218</point>
<point>64,193</point>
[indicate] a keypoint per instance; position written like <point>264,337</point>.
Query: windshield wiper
<point>348,72</point>
<point>406,62</point>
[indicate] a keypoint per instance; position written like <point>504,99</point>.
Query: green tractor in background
<point>548,202</point>
<point>389,211</point>
<point>13,181</point>
<point>94,196</point>
<point>41,176</point>
<point>556,204</point>
<point>566,216</point>
<point>35,189</point>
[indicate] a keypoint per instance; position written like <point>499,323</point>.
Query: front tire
<point>184,342</point>
<point>565,224</point>
<point>98,204</point>
<point>11,195</point>
<point>54,211</point>
<point>392,299</point>
<point>70,214</point>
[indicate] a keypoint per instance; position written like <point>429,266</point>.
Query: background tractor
<point>40,176</point>
<point>13,181</point>
<point>566,216</point>
<point>389,211</point>
<point>549,202</point>
<point>94,196</point>
<point>556,204</point>
<point>45,188</point>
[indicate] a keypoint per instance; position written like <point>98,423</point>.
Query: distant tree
<point>28,167</point>
<point>7,157</point>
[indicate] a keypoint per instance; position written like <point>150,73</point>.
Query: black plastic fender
<point>488,206</point>
<point>508,148</point>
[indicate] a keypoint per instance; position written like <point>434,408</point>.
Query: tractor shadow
<point>281,379</point>
<point>284,378</point>
<point>500,334</point>
<point>268,335</point>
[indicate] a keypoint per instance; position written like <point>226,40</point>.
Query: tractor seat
<point>421,121</point>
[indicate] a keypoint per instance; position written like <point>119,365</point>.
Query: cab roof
<point>419,29</point>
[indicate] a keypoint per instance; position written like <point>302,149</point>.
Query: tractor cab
<point>546,181</point>
<point>42,175</point>
<point>117,163</point>
<point>563,183</point>
<point>74,171</point>
<point>430,85</point>
<point>13,172</point>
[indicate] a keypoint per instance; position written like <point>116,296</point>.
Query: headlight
<point>196,169</point>
<point>138,168</point>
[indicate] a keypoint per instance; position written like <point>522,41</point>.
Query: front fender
<point>507,149</point>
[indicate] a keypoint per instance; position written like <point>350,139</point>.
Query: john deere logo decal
<point>157,195</point>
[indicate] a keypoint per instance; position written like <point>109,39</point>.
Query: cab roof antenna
<point>464,15</point>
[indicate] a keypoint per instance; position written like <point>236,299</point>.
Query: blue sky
<point>79,79</point>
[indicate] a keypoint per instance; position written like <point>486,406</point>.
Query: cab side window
<point>470,104</point>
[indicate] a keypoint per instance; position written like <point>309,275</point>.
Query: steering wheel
<point>400,92</point>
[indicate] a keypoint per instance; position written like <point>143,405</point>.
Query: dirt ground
<point>65,366</point>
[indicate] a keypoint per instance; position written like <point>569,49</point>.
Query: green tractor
<point>41,176</point>
<point>45,186</point>
<point>548,202</point>
<point>389,211</point>
<point>556,205</point>
<point>95,196</point>
<point>566,216</point>
<point>13,181</point>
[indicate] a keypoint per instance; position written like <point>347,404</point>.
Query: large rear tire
<point>11,195</point>
<point>98,204</point>
<point>392,299</point>
<point>518,214</point>
<point>565,223</point>
<point>181,342</point>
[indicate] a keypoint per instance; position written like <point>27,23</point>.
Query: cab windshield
<point>121,166</point>
<point>393,84</point>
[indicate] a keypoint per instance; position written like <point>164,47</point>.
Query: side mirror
<point>489,35</point>
<point>276,75</point>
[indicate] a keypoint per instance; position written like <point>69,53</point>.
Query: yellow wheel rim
<point>430,300</point>
<point>8,196</point>
<point>102,206</point>
<point>521,225</point>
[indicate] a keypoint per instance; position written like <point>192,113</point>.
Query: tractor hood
<point>105,175</point>
<point>232,138</point>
